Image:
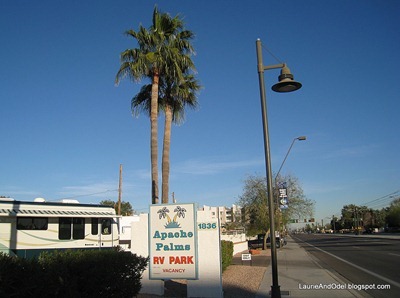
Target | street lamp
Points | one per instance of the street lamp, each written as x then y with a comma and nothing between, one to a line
302,138
286,84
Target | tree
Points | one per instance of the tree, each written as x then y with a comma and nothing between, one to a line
353,216
255,203
163,49
174,97
299,205
255,207
393,214
126,207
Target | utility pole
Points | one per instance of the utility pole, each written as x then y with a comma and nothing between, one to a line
173,198
120,189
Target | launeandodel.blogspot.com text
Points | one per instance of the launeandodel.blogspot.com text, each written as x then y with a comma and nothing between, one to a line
344,286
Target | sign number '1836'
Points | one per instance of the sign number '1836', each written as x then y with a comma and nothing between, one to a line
207,226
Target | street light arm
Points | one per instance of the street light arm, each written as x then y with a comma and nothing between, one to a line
284,160
276,66
302,138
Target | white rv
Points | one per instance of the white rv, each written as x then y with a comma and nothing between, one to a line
28,228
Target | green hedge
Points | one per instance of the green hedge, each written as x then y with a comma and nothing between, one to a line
227,253
72,273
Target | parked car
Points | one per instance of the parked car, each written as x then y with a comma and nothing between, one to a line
256,243
279,241
259,241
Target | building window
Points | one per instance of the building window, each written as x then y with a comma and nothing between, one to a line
68,227
95,226
78,231
64,228
32,223
106,226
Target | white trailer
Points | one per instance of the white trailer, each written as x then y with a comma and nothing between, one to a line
28,228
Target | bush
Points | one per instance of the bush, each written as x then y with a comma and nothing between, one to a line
72,273
227,253
18,276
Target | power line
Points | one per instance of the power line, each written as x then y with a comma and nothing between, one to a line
87,195
382,201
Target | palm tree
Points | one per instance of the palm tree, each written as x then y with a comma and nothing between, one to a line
162,49
176,98
173,99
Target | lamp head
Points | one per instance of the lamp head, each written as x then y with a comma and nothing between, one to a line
286,82
302,138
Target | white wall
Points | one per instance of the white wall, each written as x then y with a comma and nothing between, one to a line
209,283
140,246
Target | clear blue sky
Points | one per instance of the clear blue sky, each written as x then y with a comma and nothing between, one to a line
66,128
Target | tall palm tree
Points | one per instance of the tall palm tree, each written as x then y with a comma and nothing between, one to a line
173,99
176,98
162,49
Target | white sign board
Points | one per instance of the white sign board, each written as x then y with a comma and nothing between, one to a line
173,241
246,257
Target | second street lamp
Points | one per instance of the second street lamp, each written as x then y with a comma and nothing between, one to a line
302,138
286,84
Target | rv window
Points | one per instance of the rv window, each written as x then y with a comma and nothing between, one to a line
78,228
106,226
64,228
32,223
95,226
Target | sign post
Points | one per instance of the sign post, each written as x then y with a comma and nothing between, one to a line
247,257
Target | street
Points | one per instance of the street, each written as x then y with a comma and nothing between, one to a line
364,261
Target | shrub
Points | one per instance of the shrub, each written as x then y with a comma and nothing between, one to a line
227,253
72,273
18,276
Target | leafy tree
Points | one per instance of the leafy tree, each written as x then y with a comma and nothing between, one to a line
393,215
353,216
374,218
163,49
255,203
299,205
126,207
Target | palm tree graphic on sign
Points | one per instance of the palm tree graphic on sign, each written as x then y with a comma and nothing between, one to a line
171,224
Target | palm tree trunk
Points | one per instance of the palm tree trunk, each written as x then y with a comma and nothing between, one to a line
165,157
153,142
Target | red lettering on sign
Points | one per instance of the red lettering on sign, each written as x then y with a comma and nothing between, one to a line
158,260
181,260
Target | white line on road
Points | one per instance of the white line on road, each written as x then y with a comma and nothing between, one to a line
394,254
388,280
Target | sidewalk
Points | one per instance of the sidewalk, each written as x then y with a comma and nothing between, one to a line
299,275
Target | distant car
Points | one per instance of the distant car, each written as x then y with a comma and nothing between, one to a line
256,243
279,241
259,241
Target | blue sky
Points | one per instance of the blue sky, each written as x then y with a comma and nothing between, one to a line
66,128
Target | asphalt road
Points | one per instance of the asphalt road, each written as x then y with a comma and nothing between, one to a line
361,261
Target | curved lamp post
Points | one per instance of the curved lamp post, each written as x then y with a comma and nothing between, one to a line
302,138
285,84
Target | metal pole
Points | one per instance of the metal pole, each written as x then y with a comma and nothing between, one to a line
120,189
290,148
275,288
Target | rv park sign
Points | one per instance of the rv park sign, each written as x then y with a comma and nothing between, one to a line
173,242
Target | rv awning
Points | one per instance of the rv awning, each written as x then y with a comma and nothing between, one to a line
55,213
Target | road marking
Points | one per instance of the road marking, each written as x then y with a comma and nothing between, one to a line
388,280
394,254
